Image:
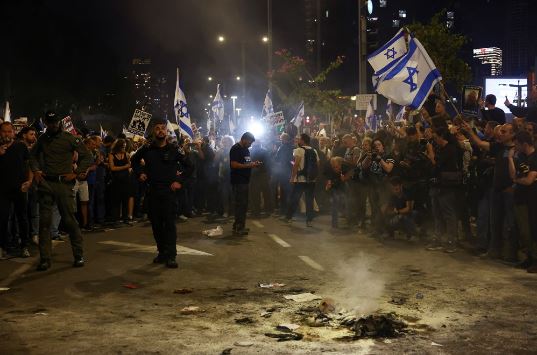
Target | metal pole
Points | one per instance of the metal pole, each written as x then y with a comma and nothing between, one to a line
243,64
362,44
269,44
318,61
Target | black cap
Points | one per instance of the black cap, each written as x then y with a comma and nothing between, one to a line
50,116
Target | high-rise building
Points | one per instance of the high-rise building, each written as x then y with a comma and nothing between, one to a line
150,90
490,56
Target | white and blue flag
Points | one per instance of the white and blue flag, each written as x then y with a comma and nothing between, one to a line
182,116
218,106
370,118
299,117
268,109
411,79
387,55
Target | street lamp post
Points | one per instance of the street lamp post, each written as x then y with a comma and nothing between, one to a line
233,98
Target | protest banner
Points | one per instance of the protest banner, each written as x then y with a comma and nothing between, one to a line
470,99
276,120
362,100
139,122
68,126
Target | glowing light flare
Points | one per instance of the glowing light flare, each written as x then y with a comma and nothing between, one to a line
256,127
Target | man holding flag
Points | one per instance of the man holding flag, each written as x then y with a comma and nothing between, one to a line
182,116
217,108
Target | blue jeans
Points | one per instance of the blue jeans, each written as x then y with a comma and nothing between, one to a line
299,188
56,218
443,204
338,200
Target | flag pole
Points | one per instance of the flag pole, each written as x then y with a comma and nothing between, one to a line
447,96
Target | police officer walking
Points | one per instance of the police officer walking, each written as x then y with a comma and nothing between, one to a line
51,161
160,170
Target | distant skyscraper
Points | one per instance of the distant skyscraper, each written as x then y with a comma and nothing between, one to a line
150,90
491,56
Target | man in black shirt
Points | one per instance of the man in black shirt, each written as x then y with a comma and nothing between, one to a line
503,223
530,112
241,168
492,113
15,181
161,172
523,171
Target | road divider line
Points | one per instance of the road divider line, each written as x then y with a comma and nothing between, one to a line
280,241
258,224
310,262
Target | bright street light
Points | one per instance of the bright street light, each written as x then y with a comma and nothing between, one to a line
233,97
210,78
211,96
238,78
265,39
221,38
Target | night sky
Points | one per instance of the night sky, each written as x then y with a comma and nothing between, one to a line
81,50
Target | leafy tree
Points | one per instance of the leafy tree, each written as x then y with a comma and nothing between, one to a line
444,48
293,83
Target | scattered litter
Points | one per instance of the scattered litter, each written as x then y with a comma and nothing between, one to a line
303,297
4,289
131,286
190,310
215,232
285,336
327,305
375,326
271,285
289,327
243,343
244,320
436,344
41,314
226,351
398,301
419,295
183,291
387,341
266,314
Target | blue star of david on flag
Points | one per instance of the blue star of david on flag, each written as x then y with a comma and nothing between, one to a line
182,109
410,79
390,53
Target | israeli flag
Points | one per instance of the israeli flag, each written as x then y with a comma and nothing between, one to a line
370,118
218,106
299,117
268,109
387,55
400,115
389,109
411,79
182,116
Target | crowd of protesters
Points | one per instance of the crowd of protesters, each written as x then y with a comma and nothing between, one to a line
449,182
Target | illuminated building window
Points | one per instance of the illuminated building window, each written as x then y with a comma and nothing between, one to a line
383,3
326,13
402,13
395,23
450,15
449,24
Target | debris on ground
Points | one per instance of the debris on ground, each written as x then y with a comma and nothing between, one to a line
244,343
41,314
190,310
285,336
436,344
131,286
303,297
215,232
327,305
4,289
419,295
266,314
183,291
398,301
378,325
226,351
244,320
288,327
271,285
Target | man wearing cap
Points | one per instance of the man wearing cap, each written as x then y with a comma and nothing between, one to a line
241,168
51,162
161,171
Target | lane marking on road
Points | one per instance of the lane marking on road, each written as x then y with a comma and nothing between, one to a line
15,274
280,241
310,262
258,224
133,247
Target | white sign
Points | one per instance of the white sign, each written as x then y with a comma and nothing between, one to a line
501,87
139,123
68,126
276,119
363,100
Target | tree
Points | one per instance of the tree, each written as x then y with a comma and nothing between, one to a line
293,83
444,48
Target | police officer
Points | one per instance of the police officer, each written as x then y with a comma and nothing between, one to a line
51,161
160,170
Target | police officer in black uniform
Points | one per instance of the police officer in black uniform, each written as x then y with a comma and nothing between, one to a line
162,164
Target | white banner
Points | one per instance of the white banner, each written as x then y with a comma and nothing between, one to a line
139,123
363,100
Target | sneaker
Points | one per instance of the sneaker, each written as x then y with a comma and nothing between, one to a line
434,247
35,239
309,224
86,228
172,264
25,253
159,259
225,215
450,250
44,265
183,218
240,232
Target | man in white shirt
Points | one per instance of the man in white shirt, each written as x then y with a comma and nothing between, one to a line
303,177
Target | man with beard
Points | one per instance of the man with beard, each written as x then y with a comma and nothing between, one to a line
161,169
51,160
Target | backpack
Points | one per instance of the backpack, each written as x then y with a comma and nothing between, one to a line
311,168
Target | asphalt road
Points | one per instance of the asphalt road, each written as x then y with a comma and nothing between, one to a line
122,303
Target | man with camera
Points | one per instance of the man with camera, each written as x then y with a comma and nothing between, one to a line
51,160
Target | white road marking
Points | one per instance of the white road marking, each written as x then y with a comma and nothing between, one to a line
309,261
13,276
128,247
280,241
258,224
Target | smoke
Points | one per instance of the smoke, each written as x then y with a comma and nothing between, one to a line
361,286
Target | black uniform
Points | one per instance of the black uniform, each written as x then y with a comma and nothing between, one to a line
162,165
